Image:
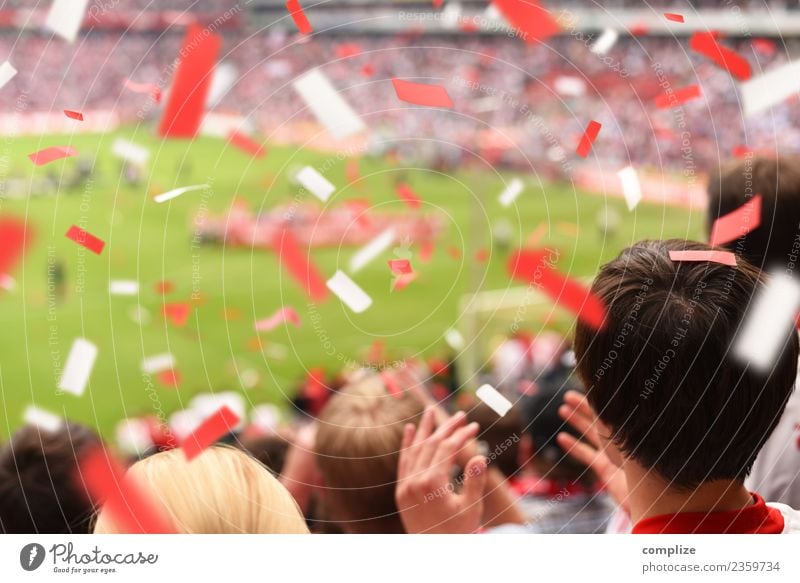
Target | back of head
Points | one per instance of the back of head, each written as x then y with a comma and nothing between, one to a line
357,446
222,491
501,435
270,450
661,375
38,493
777,240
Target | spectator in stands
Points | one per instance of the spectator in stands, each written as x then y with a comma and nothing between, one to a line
38,494
270,450
499,435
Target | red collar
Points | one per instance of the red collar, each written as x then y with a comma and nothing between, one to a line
758,518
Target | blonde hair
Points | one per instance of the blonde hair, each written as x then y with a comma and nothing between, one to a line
222,491
357,448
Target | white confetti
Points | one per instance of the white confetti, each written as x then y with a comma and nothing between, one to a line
630,186
492,397
371,250
605,41
158,363
130,152
454,339
348,291
315,183
512,191
164,197
65,18
44,420
79,366
330,108
7,73
762,92
123,287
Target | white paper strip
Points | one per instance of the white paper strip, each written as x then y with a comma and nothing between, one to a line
315,183
158,363
7,73
768,321
371,250
330,108
605,41
169,195
489,395
123,287
225,75
133,437
78,367
131,152
65,18
776,86
630,186
512,191
44,420
454,339
348,291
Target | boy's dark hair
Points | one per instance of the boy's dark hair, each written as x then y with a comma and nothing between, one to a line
39,492
777,180
501,435
270,450
660,373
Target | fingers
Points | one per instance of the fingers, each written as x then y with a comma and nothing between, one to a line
582,452
577,411
474,480
449,448
429,447
405,450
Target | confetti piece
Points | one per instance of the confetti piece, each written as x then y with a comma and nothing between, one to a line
422,94
454,252
78,367
177,313
723,257
282,315
218,425
128,505
678,97
133,437
530,18
426,251
631,188
407,195
588,139
496,401
454,339
349,292
352,172
130,152
65,18
674,17
400,266
371,250
771,88
605,41
737,223
158,363
769,320
85,239
7,73
147,88
402,281
482,255
246,144
327,105
741,151
163,287
534,268
537,234
73,114
511,192
188,94
706,44
367,70
315,183
391,384
177,192
299,17
123,287
297,264
346,50
44,420
764,46
48,155
14,237
169,378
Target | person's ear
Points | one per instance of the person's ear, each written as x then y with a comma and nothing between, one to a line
525,451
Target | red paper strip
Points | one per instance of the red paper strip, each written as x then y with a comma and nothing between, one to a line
530,18
737,223
287,314
247,144
533,267
153,90
401,281
163,287
400,266
48,155
14,237
678,97
299,17
588,139
296,263
128,505
407,195
73,114
86,239
741,151
639,29
351,171
391,384
707,45
426,251
169,378
422,94
210,431
673,17
189,92
723,257
177,313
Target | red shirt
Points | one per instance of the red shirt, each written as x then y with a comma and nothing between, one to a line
758,518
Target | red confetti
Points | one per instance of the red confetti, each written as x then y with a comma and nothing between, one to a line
426,251
177,313
738,223
128,506
482,255
14,237
246,144
706,44
73,114
401,281
391,384
741,151
286,314
422,94
673,17
764,46
400,266
639,30
588,139
367,70
299,17
351,170
407,195
532,267
210,431
530,18
454,252
678,97
169,378
723,257
297,264
48,155
153,90
86,239
346,50
186,106
164,287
